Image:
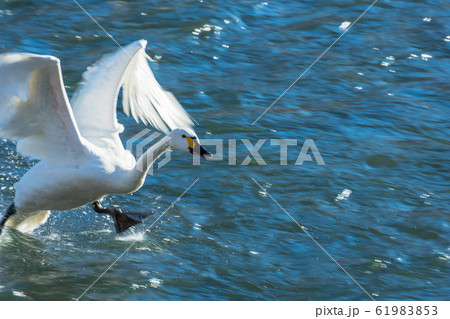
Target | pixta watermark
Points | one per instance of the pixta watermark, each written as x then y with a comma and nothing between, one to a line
241,152
305,151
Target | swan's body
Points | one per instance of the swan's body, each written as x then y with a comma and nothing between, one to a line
82,158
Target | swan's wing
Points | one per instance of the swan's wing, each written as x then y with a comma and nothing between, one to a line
95,101
34,108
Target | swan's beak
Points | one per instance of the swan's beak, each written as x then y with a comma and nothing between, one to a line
204,153
200,151
197,149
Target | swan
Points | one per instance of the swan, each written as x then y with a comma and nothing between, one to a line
81,157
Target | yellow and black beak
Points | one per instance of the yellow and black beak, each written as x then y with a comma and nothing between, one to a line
197,149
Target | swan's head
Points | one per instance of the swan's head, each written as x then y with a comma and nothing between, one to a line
187,141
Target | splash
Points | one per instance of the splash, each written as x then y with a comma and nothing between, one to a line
343,195
132,237
19,293
206,30
344,26
155,282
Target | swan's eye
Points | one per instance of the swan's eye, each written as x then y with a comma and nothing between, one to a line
183,136
194,137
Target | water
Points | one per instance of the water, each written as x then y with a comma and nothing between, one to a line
376,106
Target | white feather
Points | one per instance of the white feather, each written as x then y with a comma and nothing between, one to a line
143,97
34,108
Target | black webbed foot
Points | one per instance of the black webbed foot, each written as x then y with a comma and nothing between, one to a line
122,220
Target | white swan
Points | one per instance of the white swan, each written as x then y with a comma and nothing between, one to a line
82,158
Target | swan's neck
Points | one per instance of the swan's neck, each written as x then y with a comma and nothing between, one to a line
148,159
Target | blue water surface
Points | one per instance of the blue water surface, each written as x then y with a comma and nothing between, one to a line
376,106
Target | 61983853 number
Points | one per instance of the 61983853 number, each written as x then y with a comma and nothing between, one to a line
407,310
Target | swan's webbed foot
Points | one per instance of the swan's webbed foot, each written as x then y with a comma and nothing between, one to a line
11,211
122,220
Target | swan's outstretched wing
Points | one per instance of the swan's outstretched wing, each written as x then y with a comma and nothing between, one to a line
34,107
94,102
